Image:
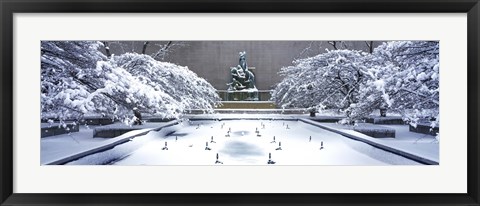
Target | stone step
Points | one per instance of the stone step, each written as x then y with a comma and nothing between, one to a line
247,105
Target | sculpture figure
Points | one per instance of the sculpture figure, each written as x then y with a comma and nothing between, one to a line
242,85
242,78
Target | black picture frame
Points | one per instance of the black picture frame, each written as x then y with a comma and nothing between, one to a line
10,7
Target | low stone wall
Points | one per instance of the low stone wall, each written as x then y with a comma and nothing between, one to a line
375,131
157,119
89,120
111,132
385,120
263,95
48,130
424,128
326,119
247,105
250,111
97,121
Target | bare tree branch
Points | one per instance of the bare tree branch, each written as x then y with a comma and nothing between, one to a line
334,44
369,46
163,50
145,44
107,48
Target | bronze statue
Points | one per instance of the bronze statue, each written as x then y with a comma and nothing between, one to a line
242,78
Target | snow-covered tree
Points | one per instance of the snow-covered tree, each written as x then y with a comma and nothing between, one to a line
402,76
183,85
328,80
77,79
64,79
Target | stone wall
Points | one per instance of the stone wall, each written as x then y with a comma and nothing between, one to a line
212,59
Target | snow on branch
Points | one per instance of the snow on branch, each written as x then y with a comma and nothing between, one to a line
77,79
402,76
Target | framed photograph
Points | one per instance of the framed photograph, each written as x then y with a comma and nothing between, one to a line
255,103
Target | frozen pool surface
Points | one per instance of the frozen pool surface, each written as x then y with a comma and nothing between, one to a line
190,143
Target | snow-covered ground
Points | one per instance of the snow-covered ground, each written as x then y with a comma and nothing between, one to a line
187,144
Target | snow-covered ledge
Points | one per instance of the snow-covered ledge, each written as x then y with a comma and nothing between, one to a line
372,141
107,144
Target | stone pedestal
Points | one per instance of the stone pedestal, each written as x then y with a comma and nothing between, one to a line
242,95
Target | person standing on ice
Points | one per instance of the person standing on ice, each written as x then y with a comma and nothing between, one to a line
138,116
